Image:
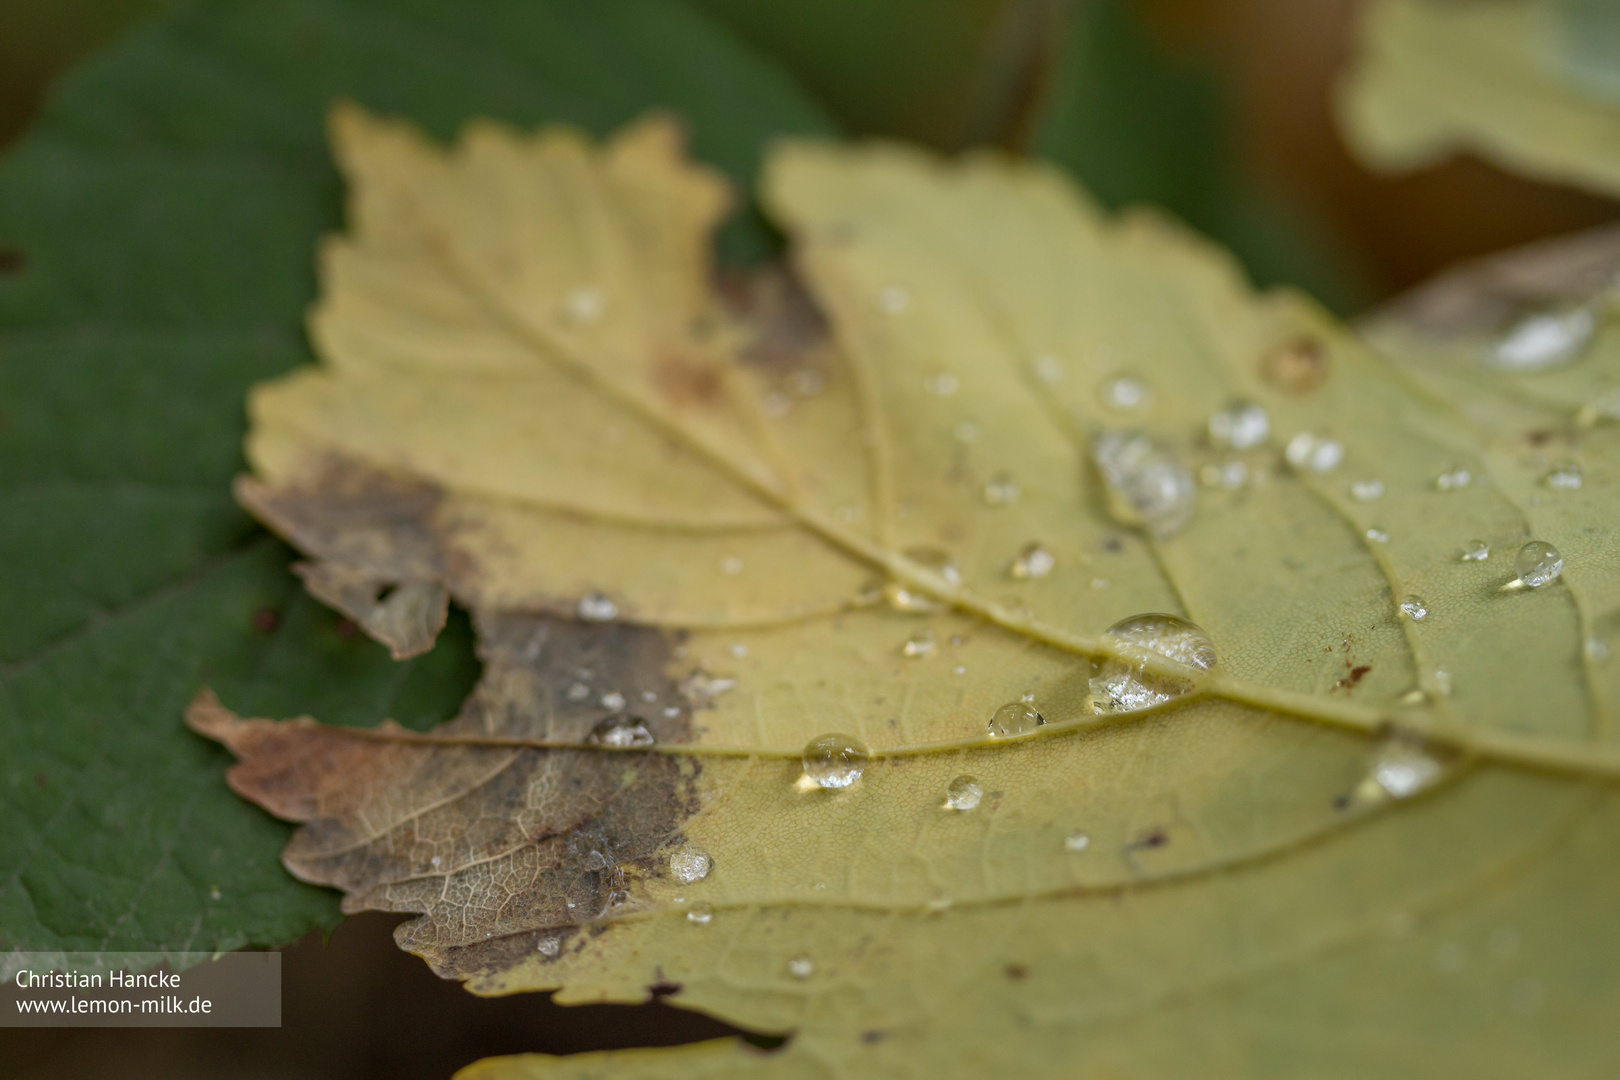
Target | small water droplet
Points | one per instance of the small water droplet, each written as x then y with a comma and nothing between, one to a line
1000,490
1414,608
702,914
1312,453
942,384
935,561
1476,551
801,967
1565,476
1298,366
672,711
894,299
1367,490
1015,718
701,688
1099,583
621,732
1597,650
1047,369
900,598
1606,406
835,761
578,692
1119,686
584,305
689,865
1034,561
1543,340
434,862
966,432
919,644
548,946
1377,535
1076,841
1146,485
595,607
1230,475
1125,394
807,382
1239,426
739,650
214,893
1538,563
1402,766
1453,479
1440,679
612,700
731,565
963,793
959,670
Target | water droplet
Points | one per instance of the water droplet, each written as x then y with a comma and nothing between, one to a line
1047,369
595,607
1015,718
1119,686
739,650
1377,535
1597,650
966,432
1440,679
690,865
1298,366
835,761
1543,340
578,692
702,914
801,967
1125,394
731,566
621,732
959,670
1367,490
1538,563
1230,475
1414,608
1146,485
701,688
1476,551
1402,766
214,893
1034,561
1314,453
1099,583
919,644
584,305
1453,479
672,711
1076,841
1239,426
1606,406
935,561
548,946
943,384
612,700
901,598
649,696
1000,490
963,793
893,299
1565,476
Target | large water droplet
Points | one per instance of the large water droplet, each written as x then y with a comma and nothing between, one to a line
1414,608
1000,490
1146,485
963,793
1034,561
1476,551
1538,563
1312,453
1015,718
689,865
1565,476
595,607
835,761
1402,766
1543,340
1239,426
1125,394
621,732
918,645
1119,686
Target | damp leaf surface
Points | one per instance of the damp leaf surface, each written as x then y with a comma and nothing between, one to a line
700,528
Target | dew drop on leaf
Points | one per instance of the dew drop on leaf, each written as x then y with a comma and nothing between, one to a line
942,384
1453,479
1414,608
963,793
1034,561
1047,369
1000,490
689,865
936,561
596,607
1230,475
1565,476
548,946
1125,394
835,761
918,645
1543,340
1015,718
1377,535
1312,453
578,692
801,967
1239,426
1146,485
1476,551
1076,841
702,914
621,732
1538,563
1367,490
1597,650
1119,686
613,701
1402,766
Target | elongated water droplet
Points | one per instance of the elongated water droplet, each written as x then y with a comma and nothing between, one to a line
1034,561
1000,490
1367,490
1453,479
1538,563
1125,394
1146,485
1239,426
1015,718
1076,841
689,865
801,967
1119,686
1565,476
621,732
1543,340
1476,551
1414,608
702,914
595,607
1312,453
919,644
835,761
701,688
963,793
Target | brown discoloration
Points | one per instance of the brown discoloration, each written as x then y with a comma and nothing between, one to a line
494,847
11,261
689,383
1297,366
406,617
1352,677
780,320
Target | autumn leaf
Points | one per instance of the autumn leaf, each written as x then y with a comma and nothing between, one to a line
1528,84
1365,821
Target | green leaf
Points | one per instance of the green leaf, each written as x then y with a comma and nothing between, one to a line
162,218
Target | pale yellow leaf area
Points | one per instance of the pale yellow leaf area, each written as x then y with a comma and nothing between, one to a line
1434,77
525,325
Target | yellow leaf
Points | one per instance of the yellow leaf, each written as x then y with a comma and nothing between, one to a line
693,542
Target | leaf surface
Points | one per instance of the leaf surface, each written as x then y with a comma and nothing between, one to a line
1171,892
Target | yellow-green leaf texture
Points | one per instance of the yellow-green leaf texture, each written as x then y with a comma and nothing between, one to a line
525,326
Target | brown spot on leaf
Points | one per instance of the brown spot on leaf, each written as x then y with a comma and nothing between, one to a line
495,845
688,383
1017,972
1352,677
265,620
1297,366
11,261
780,321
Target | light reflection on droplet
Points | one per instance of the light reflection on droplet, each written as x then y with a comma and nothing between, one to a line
1239,427
1120,686
1146,485
834,761
1313,453
1015,718
1034,561
1367,490
963,793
